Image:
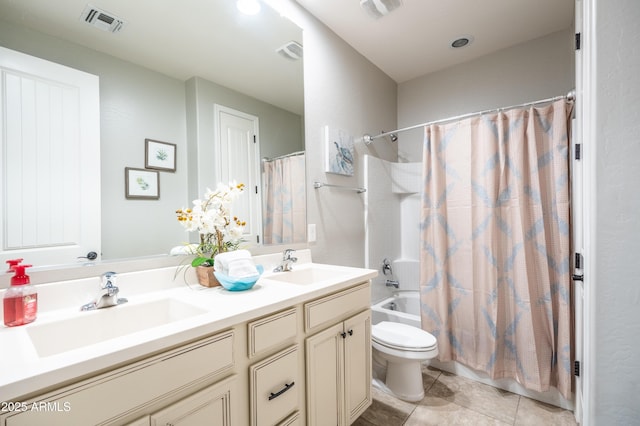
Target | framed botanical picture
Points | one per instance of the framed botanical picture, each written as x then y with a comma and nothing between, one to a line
159,155
141,184
338,152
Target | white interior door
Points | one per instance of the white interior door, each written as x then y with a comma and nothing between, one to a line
50,158
238,159
577,203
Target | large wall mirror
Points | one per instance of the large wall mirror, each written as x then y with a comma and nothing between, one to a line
162,74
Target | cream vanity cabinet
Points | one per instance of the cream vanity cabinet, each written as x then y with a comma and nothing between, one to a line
338,358
308,364
152,385
331,361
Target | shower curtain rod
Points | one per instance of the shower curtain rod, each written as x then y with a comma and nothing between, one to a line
293,154
368,139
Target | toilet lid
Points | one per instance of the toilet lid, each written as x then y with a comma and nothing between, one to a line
399,336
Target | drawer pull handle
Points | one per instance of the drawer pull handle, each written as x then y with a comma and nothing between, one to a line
281,391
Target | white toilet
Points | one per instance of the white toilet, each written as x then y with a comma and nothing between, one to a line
400,349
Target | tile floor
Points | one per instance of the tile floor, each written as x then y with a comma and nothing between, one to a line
455,400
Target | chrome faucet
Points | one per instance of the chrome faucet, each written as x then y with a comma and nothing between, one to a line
108,295
287,261
392,283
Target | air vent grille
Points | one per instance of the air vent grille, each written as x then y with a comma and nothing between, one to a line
102,20
291,50
379,8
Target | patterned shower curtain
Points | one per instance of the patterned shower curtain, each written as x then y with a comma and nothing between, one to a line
285,201
495,244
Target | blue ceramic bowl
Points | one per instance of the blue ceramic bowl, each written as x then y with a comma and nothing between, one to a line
238,284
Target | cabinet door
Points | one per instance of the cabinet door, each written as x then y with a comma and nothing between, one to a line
143,421
293,420
357,365
211,406
325,377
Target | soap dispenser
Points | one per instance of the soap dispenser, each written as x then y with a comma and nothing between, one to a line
20,301
13,263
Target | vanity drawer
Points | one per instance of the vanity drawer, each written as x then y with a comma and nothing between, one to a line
272,331
274,387
109,396
335,307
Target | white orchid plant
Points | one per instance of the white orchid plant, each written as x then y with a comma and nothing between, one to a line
211,218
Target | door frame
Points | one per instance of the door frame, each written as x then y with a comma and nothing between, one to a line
586,91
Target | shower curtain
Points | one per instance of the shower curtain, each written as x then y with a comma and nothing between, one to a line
495,244
285,200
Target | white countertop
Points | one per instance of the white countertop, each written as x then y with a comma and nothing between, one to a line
23,371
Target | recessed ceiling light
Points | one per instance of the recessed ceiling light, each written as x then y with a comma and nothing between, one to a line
248,7
461,42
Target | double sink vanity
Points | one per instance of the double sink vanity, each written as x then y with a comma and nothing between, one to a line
293,350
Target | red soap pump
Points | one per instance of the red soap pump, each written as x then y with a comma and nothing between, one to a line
13,263
20,302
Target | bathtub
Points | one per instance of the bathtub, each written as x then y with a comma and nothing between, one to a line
403,307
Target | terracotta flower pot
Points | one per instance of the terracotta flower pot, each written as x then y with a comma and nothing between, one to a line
206,277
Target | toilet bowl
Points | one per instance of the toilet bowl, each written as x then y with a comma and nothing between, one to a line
398,352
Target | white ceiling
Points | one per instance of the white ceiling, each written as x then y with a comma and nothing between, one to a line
414,40
182,39
208,38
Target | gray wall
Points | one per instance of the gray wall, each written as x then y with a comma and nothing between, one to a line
615,225
345,91
530,71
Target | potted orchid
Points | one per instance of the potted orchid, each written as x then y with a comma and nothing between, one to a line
218,231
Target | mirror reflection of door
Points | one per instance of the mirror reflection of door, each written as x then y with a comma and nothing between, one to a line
238,159
50,161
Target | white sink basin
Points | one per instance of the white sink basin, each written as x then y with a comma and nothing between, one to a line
307,275
88,328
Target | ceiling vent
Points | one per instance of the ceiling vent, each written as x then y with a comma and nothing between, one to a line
292,50
380,8
102,20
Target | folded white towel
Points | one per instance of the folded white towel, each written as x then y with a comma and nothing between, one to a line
235,264
240,268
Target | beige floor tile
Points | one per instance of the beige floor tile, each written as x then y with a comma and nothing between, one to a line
429,376
454,400
534,413
381,414
395,403
361,421
476,396
449,413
